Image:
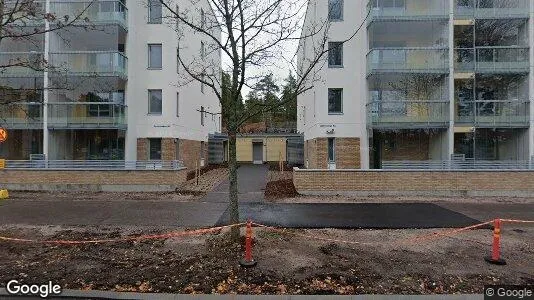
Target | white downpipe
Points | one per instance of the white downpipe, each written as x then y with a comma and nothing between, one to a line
45,84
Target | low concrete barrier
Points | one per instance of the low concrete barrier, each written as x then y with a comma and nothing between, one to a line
89,180
517,183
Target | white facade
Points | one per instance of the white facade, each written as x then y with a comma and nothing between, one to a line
386,48
183,122
94,101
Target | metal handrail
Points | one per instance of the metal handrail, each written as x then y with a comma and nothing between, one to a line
104,165
467,164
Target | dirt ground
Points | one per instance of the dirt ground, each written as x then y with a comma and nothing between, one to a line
289,263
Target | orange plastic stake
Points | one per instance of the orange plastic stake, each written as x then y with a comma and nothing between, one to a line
495,257
248,261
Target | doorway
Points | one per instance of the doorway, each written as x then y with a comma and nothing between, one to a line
257,153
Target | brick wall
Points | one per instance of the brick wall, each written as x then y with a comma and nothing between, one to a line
68,177
422,182
403,146
347,153
189,150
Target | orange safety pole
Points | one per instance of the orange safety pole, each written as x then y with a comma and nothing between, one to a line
248,261
495,257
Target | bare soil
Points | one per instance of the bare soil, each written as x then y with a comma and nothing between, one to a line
207,181
286,263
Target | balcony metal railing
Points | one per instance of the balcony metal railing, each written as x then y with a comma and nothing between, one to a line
21,64
491,9
408,60
408,114
105,165
466,164
492,59
92,12
407,9
88,115
493,113
21,115
87,63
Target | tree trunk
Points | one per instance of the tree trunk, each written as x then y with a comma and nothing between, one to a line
233,196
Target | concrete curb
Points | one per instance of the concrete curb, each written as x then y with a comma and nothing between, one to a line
78,294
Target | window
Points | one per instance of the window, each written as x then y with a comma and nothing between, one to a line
331,150
335,10
202,115
202,83
335,54
177,104
154,11
178,60
335,101
154,102
154,147
202,145
202,50
154,56
202,19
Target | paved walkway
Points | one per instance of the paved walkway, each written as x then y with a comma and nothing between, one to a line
251,182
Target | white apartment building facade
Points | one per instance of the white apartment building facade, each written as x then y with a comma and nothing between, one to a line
112,87
422,82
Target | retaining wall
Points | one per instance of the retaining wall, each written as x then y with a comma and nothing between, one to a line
92,180
414,182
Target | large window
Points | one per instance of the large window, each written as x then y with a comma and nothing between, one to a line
331,150
154,56
335,10
154,11
335,101
335,54
154,146
154,102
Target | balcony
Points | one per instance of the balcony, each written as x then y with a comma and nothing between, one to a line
26,115
492,59
89,63
86,115
92,12
25,13
21,64
493,113
407,10
408,114
408,60
497,9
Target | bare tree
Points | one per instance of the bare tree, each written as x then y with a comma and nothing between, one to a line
255,34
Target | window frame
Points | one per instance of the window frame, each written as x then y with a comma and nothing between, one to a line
150,67
342,4
331,141
331,50
150,141
150,99
150,6
341,100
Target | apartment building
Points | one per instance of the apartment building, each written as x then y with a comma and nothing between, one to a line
110,87
421,81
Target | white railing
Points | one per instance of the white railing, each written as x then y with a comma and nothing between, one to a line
104,165
467,164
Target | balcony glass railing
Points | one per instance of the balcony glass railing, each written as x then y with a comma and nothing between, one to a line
491,9
408,114
25,13
400,9
25,115
89,115
92,12
493,113
492,59
25,64
408,60
99,63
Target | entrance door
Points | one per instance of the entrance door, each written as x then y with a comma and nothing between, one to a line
257,153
